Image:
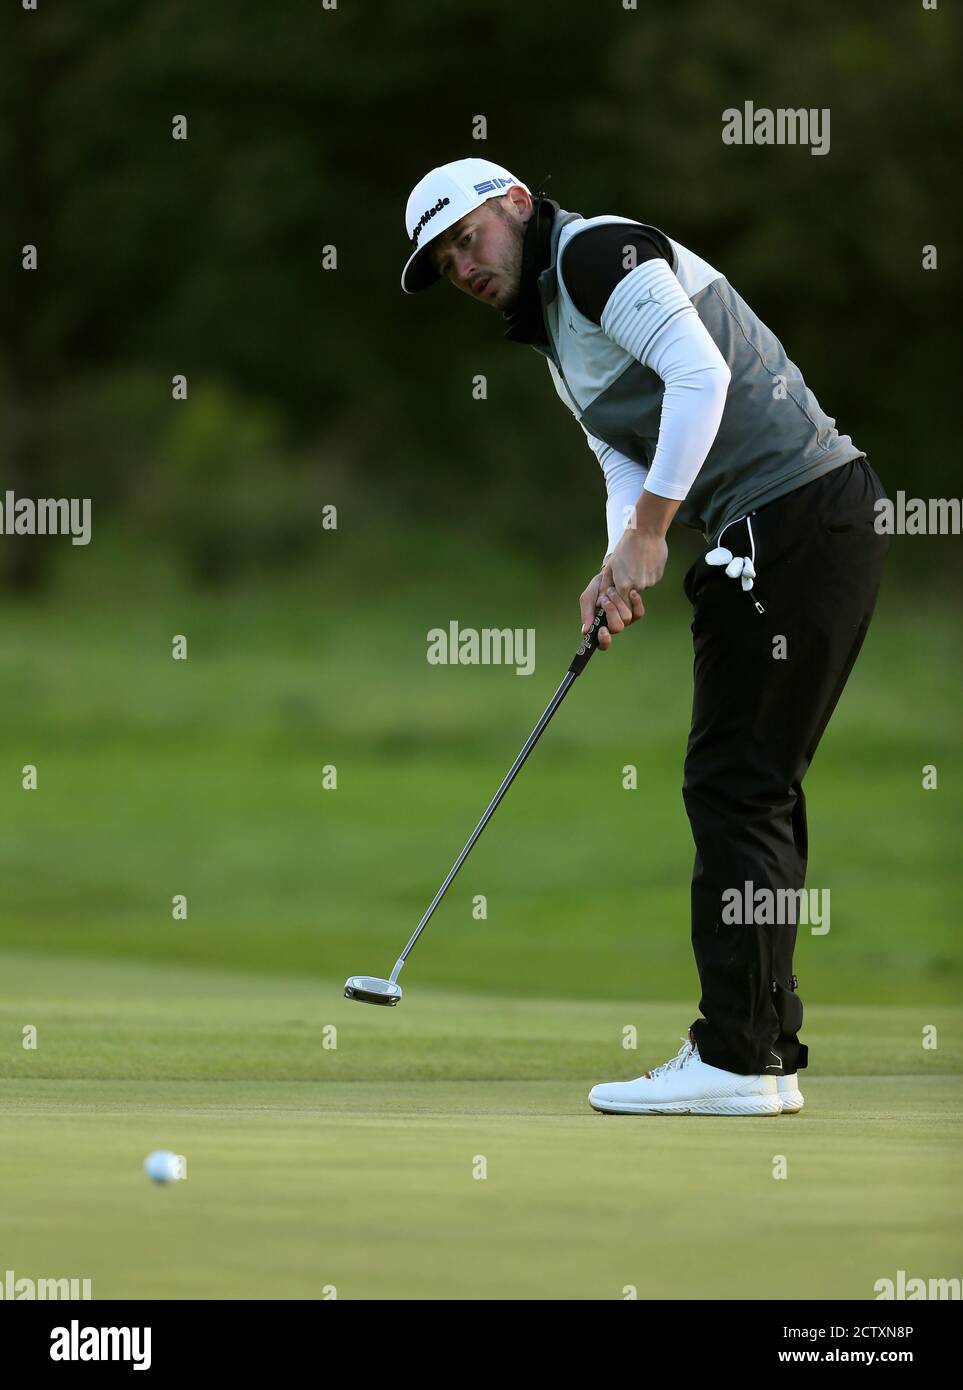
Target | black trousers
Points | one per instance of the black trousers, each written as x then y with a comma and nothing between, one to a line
760,706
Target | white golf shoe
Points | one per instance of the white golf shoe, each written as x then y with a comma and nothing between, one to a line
685,1085
790,1094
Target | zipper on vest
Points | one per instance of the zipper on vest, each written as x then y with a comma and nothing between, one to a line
568,393
553,348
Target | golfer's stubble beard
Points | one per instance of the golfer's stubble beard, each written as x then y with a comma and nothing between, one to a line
513,267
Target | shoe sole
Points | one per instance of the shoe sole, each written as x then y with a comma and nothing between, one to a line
792,1102
722,1105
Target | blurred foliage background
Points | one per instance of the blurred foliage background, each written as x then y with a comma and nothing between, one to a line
307,128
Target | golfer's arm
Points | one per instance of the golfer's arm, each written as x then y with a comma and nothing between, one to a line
650,316
653,514
623,483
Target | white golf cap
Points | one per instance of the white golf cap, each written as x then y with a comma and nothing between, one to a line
440,200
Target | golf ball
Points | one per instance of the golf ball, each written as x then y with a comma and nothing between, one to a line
163,1166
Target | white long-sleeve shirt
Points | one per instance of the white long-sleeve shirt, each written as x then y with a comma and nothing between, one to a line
667,336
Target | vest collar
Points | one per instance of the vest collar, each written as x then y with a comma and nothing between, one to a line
539,280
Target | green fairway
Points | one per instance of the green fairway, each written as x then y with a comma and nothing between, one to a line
352,1167
312,1165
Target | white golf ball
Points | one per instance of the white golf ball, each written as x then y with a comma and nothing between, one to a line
162,1166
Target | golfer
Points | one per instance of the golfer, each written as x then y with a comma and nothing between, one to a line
695,415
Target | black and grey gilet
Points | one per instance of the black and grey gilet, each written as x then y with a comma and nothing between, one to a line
773,436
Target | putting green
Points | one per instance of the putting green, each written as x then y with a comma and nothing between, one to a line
356,1167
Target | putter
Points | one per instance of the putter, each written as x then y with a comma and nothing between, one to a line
368,989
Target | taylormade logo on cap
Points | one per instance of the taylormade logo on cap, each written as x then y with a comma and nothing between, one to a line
426,217
443,198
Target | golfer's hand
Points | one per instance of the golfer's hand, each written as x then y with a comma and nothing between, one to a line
619,614
636,564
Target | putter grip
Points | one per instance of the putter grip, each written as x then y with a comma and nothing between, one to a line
590,642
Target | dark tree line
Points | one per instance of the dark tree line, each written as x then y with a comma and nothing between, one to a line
306,128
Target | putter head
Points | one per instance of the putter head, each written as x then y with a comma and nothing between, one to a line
367,989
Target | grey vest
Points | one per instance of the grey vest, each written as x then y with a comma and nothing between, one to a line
773,437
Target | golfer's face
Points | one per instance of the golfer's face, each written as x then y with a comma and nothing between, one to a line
482,256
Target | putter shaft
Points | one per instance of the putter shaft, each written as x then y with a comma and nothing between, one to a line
579,661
